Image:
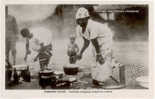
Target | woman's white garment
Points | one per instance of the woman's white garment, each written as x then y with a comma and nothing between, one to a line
104,36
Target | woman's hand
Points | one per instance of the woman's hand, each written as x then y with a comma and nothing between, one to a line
100,59
26,55
28,52
85,46
25,58
79,56
35,59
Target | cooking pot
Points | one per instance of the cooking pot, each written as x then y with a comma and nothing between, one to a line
46,78
71,69
20,67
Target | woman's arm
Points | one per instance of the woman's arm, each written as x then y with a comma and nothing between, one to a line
27,49
27,44
96,45
85,45
68,50
99,57
35,59
77,48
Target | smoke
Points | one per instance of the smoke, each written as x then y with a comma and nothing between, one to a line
42,34
30,12
63,24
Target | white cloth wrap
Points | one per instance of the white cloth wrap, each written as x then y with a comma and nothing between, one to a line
104,36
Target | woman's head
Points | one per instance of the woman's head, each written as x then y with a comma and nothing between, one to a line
26,33
72,38
82,16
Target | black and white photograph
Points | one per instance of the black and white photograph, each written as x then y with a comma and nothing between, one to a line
76,46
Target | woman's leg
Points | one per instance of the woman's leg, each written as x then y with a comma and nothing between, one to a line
7,50
102,72
14,55
41,66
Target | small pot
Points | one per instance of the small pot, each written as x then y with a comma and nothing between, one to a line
71,70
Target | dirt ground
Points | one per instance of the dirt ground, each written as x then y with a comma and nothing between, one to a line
85,83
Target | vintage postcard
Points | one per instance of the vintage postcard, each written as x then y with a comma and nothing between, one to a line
77,49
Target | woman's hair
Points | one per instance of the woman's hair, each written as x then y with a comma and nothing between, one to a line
25,32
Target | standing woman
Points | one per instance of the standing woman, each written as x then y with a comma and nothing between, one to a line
11,36
101,38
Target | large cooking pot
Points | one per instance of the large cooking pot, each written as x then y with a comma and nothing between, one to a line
71,69
46,78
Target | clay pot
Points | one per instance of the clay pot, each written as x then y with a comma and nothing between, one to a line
71,69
